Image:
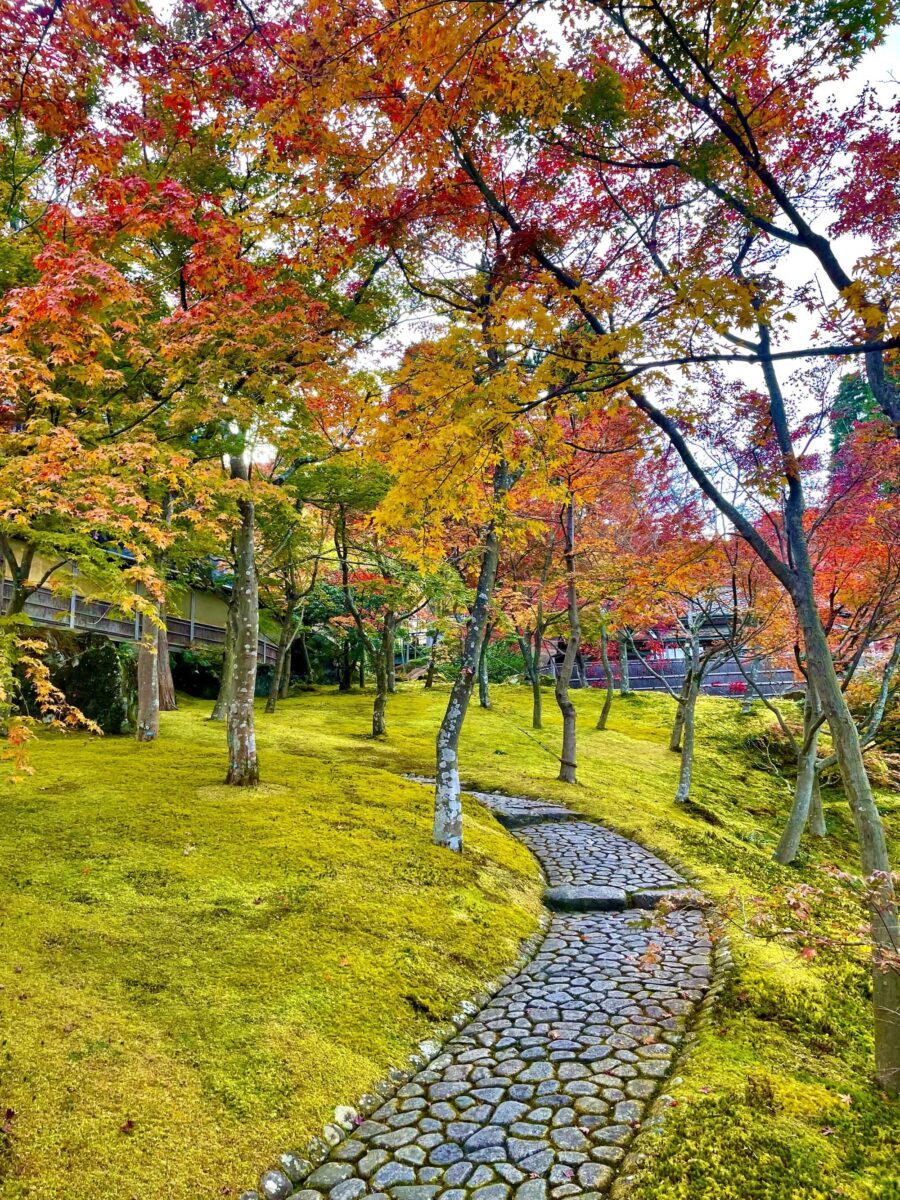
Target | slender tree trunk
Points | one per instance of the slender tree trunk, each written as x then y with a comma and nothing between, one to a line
817,825
525,651
682,795
432,661
148,683
608,675
448,831
678,723
167,700
344,682
624,672
361,667
382,682
789,844
752,672
379,663
390,664
226,681
281,655
484,691
306,673
19,573
873,849
243,765
567,762
537,694
805,786
284,682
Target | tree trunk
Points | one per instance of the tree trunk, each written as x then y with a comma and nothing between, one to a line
167,700
432,660
382,681
379,725
624,673
789,845
567,764
537,695
19,573
344,682
447,831
148,683
226,682
306,673
867,819
525,651
817,826
484,692
752,672
243,765
389,661
281,655
608,675
678,723
683,792
284,683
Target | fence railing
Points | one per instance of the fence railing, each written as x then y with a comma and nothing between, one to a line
97,616
726,680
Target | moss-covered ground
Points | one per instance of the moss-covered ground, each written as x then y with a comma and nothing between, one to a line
193,976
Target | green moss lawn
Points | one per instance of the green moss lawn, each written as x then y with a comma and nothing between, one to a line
192,976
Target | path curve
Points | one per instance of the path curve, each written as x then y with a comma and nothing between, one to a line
540,1094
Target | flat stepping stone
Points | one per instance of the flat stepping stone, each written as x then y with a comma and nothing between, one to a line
540,1094
679,897
588,898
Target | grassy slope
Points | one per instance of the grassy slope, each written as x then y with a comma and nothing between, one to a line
223,967
224,1023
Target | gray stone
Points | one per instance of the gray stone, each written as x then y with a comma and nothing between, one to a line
458,1173
349,1151
480,1176
493,1191
569,1138
584,898
275,1185
537,1164
350,1189
393,1173
294,1166
414,1155
491,1136
329,1175
371,1162
508,1112
532,1189
445,1155
595,1176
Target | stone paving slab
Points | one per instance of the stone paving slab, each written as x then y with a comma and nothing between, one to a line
540,1094
582,853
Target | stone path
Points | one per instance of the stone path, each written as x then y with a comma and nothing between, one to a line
539,1095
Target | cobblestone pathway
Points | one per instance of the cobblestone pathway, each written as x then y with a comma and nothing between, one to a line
539,1095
